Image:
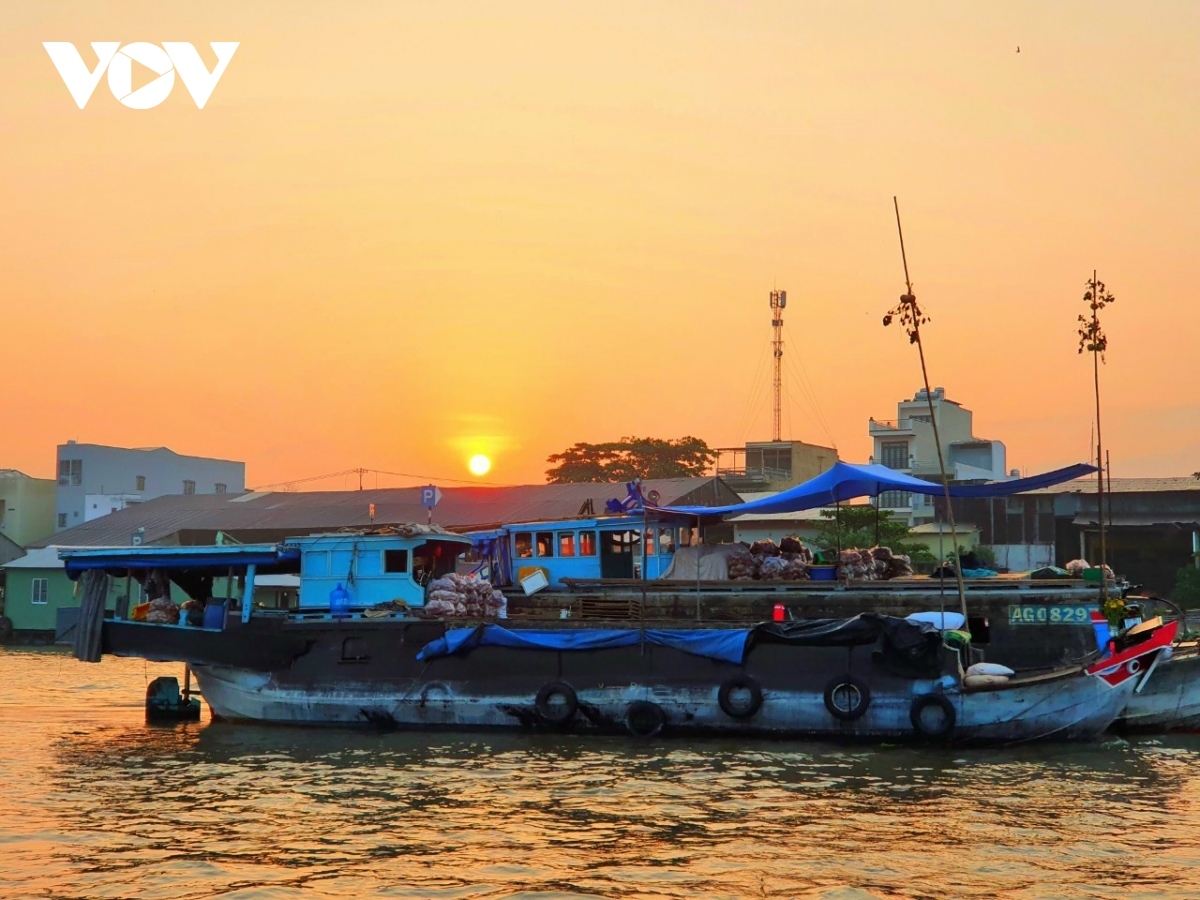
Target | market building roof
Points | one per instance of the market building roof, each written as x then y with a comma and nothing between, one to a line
272,516
1087,485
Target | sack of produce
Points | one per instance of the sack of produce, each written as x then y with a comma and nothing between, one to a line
978,681
987,668
1076,566
764,548
742,565
796,569
790,545
900,566
772,568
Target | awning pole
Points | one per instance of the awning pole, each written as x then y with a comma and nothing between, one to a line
248,592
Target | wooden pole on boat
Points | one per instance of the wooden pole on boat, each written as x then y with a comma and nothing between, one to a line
911,317
1108,486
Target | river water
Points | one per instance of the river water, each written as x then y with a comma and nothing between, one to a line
96,804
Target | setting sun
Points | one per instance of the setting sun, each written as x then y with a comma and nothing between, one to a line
479,464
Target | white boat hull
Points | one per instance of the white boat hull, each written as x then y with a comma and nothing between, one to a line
1070,707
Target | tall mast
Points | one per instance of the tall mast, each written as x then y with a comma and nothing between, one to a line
778,302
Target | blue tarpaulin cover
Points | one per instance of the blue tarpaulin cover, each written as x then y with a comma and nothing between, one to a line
724,644
846,482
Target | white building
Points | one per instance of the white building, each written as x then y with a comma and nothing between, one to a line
906,444
94,480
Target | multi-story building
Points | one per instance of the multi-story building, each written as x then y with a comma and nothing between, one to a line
94,480
907,444
26,511
772,465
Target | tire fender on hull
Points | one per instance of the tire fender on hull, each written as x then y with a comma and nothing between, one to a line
644,719
556,713
938,728
740,708
847,697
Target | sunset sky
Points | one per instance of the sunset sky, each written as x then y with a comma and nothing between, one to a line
400,234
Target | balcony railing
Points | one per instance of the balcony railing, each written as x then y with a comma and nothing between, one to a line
889,426
754,473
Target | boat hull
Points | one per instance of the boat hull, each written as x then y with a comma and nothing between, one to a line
1170,701
1074,707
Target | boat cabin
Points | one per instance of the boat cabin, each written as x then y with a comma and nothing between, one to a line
374,569
600,547
357,570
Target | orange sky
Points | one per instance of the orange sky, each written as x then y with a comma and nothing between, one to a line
399,234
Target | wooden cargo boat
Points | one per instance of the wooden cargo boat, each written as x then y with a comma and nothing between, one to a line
379,660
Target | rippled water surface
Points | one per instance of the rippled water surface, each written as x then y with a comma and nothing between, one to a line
96,804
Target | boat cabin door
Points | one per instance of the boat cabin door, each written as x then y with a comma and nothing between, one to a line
618,552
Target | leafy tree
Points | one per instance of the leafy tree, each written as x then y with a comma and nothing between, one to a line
630,458
1187,587
858,530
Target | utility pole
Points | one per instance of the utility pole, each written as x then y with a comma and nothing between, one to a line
778,302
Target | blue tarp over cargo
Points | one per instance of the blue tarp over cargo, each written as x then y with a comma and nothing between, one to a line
722,644
847,482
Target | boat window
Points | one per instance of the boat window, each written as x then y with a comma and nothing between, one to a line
354,650
587,543
341,562
315,562
666,541
367,562
545,543
566,543
395,560
523,544
626,541
650,548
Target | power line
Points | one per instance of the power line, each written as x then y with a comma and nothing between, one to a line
428,479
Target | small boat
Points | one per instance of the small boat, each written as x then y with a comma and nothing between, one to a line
1171,700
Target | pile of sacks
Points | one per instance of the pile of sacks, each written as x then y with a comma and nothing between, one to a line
987,675
163,611
767,561
465,595
876,564
1076,567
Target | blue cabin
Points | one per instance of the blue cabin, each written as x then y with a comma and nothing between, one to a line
621,546
373,568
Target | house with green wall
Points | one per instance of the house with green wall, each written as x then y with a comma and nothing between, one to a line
36,587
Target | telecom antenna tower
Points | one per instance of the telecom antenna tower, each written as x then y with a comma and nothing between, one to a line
778,302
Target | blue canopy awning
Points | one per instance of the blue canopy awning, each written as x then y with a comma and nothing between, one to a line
846,482
156,557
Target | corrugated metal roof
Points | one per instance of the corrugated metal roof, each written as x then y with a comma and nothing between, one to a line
1125,485
42,558
1140,520
274,515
